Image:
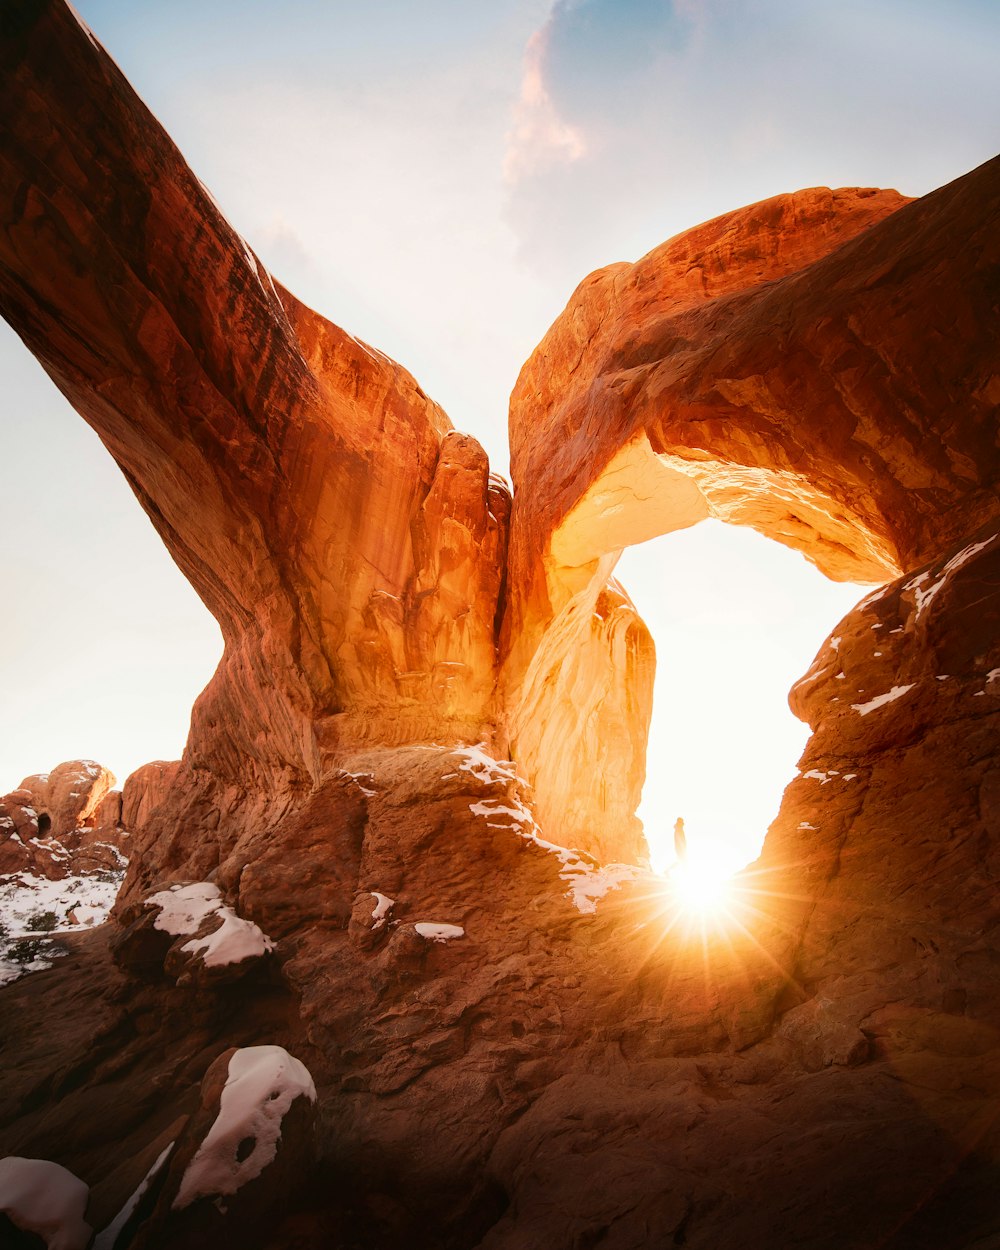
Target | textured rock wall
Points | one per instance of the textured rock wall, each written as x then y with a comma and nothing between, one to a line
820,367
348,541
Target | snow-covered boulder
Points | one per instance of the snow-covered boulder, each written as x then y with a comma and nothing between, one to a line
41,1197
192,934
243,1154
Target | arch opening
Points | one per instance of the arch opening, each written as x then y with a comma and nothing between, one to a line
579,706
44,824
736,620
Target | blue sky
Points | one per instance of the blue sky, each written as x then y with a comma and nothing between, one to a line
437,178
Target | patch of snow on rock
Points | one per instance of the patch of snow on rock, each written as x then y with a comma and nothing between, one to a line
924,596
433,931
587,881
881,700
816,775
183,908
477,761
43,1198
106,1238
262,1084
233,941
380,912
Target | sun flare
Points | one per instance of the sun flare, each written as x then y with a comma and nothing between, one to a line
703,890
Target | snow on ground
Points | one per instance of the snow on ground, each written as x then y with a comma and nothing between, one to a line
33,910
44,1198
184,907
262,1084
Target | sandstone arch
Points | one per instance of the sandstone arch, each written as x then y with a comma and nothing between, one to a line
348,540
562,1074
779,367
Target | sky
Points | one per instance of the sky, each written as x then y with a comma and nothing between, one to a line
437,178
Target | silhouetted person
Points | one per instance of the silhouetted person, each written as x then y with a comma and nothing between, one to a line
680,840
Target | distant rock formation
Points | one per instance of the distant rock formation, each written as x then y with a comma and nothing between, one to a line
61,823
400,850
63,855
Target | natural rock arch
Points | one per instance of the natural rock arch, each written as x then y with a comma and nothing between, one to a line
831,1070
741,370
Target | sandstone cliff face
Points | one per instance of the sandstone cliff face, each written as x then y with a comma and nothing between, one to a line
514,1045
349,543
820,367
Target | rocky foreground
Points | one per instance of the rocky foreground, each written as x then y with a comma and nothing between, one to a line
387,966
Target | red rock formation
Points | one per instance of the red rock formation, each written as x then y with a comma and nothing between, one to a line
820,367
346,539
513,1046
62,822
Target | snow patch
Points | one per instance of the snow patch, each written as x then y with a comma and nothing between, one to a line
233,941
874,597
881,700
79,901
262,1084
359,777
923,596
432,931
380,912
183,908
587,881
42,1197
106,1238
477,761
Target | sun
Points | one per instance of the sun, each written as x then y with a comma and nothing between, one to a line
703,890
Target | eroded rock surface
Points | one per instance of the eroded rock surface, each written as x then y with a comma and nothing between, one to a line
515,1042
820,366
348,541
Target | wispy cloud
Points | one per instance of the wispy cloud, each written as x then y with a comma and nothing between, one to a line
539,137
640,118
